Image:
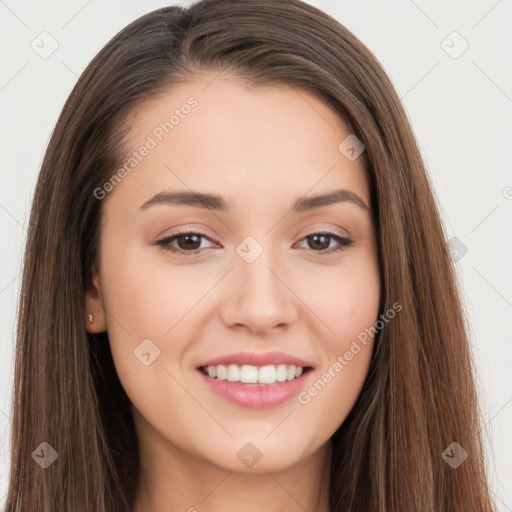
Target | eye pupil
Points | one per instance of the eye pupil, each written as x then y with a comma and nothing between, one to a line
187,237
322,245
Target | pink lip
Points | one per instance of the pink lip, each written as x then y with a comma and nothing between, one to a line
256,359
254,395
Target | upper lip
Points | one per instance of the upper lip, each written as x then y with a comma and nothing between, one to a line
257,359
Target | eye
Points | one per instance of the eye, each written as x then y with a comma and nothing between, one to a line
189,242
323,241
186,240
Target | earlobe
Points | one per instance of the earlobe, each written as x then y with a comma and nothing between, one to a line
95,318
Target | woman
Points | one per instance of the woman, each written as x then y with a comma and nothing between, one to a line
156,375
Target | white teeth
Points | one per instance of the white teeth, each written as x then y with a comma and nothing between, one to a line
281,373
221,372
267,375
249,374
233,373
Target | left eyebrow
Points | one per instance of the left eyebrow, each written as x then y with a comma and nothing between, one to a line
189,198
340,195
218,203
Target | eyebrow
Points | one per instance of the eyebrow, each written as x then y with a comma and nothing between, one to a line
218,203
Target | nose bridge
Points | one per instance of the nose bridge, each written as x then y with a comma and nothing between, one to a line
257,269
260,300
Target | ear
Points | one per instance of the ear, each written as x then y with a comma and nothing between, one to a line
95,307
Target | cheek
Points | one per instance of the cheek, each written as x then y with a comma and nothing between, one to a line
347,302
345,299
149,299
145,295
139,304
147,304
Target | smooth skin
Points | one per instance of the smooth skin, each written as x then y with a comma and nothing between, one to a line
261,149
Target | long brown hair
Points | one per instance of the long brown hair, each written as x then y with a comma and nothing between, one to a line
419,396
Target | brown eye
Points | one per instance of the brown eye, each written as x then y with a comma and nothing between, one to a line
320,242
188,242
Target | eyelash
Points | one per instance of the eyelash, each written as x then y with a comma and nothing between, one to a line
165,242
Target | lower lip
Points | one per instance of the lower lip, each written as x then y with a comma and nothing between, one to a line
255,395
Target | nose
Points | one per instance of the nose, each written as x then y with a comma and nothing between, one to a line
260,300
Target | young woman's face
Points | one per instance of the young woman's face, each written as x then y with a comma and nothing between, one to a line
257,277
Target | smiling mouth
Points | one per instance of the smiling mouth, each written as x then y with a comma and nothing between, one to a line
255,375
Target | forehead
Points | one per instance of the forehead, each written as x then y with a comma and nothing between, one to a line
220,135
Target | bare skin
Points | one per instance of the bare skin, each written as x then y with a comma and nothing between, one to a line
261,149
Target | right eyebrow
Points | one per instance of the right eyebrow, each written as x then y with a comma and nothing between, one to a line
188,198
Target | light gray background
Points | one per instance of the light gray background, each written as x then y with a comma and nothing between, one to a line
460,109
